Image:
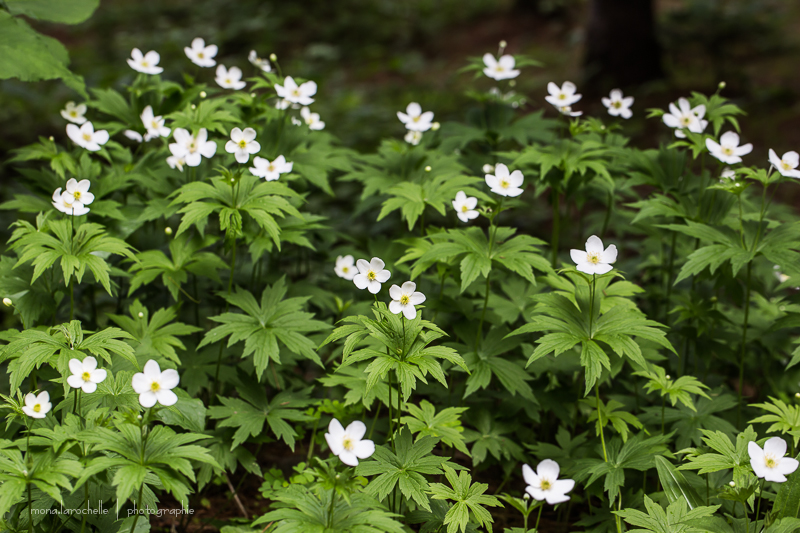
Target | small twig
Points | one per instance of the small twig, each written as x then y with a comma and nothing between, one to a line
236,497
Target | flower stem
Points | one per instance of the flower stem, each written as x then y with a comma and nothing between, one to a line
618,518
333,503
592,289
600,420
538,517
30,510
758,506
391,410
227,306
744,344
313,436
556,225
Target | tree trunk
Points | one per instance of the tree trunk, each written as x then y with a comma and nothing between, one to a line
621,45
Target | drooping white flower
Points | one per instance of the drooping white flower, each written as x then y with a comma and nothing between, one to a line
544,483
404,299
345,267
296,94
786,165
229,78
413,137
567,110
242,144
256,61
727,149
147,63
37,406
770,462
349,444
312,119
177,161
200,54
727,174
563,96
684,117
594,260
297,122
152,385
780,275
86,137
153,124
283,103
500,69
503,183
135,136
74,113
618,105
371,275
76,209
465,206
78,192
270,170
415,119
192,148
85,374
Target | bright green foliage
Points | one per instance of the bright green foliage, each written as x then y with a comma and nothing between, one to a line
784,418
444,425
263,324
469,498
677,518
730,455
680,389
156,335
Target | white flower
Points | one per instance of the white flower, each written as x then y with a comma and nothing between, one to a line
786,165
78,192
59,202
86,137
147,63
465,206
295,94
415,119
502,69
349,444
413,137
229,78
567,110
345,267
544,483
85,375
488,169
503,183
404,299
154,125
594,260
770,462
683,117
74,113
727,174
192,148
728,149
270,170
256,61
242,144
618,105
176,161
37,406
297,122
311,119
133,135
371,275
563,96
783,278
200,54
153,385
283,103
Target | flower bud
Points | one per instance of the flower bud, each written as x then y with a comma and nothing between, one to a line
435,126
526,496
797,394
7,302
338,476
52,138
488,169
273,57
138,417
141,314
512,83
503,43
252,95
194,106
24,472
428,168
168,230
203,94
722,85
732,483
667,376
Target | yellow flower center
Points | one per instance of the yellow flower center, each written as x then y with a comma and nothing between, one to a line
786,166
200,55
371,275
86,376
404,299
727,151
310,120
504,184
593,257
73,113
416,119
617,105
770,461
687,121
228,81
145,64
546,485
242,143
345,269
37,408
87,137
464,209
348,444
296,92
155,386
499,68
192,147
271,167
155,124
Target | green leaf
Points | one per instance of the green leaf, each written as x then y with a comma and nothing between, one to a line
64,11
675,484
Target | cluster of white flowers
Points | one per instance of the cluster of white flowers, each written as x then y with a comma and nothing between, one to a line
74,199
371,275
563,98
416,122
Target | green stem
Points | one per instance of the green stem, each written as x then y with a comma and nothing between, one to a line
492,235
619,519
391,410
375,419
663,406
556,225
30,510
670,272
744,344
313,437
227,305
758,506
71,298
600,420
592,288
138,509
539,517
607,218
333,503
86,498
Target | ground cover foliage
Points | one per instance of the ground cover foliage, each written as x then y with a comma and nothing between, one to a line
515,318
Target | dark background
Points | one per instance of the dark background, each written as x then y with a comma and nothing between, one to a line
371,57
